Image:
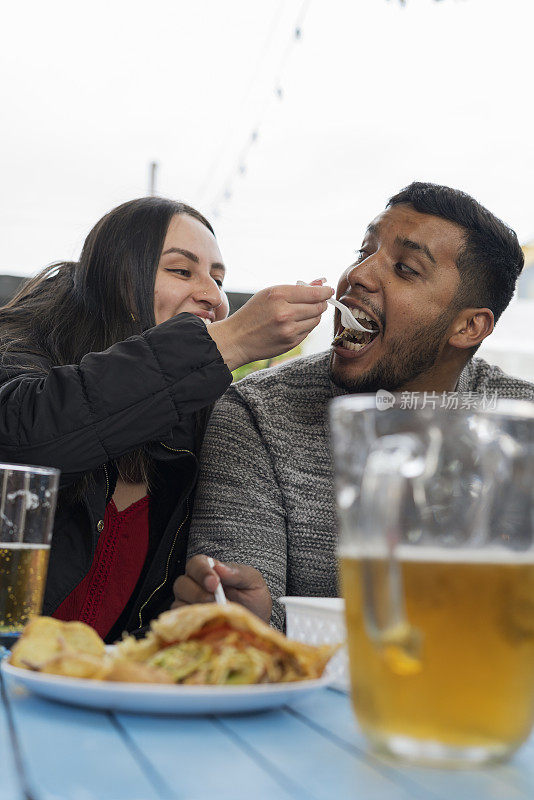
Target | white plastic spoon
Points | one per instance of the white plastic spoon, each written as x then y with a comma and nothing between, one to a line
348,320
220,596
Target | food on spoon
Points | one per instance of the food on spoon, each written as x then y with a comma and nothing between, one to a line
346,313
353,339
199,644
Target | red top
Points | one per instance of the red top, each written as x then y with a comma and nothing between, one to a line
120,554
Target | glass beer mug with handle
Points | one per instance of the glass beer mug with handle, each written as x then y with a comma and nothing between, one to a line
27,506
436,556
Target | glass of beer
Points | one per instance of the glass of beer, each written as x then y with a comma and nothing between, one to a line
27,506
436,513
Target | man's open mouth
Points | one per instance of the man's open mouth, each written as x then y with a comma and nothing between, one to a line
355,340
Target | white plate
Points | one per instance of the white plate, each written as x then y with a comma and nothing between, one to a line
142,698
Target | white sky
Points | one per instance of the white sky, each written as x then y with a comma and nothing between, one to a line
375,96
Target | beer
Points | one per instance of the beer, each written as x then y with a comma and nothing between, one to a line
464,674
23,569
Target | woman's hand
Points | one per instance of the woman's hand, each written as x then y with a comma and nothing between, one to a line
272,322
241,584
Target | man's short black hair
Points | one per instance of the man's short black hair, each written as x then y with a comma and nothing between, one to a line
491,259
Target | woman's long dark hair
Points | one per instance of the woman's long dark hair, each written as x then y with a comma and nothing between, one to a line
73,308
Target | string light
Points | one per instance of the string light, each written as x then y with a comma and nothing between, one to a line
239,168
255,73
240,165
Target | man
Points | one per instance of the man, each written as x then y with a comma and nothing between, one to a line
433,274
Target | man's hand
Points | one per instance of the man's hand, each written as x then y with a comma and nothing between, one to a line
241,584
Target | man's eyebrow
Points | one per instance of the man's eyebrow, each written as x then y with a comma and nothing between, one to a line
192,257
411,245
372,229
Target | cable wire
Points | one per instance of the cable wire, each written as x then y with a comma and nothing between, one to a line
239,167
211,171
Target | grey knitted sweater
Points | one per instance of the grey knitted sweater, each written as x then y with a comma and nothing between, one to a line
265,495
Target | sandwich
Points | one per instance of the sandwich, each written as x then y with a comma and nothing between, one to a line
224,645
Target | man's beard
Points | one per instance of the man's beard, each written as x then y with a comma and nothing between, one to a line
410,356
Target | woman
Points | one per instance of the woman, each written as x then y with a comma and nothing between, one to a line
108,369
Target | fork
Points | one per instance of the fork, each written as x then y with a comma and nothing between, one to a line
348,320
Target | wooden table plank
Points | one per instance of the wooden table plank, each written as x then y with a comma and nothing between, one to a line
513,780
519,771
313,750
10,784
321,769
200,759
74,753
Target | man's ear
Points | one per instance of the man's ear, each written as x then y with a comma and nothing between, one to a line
470,327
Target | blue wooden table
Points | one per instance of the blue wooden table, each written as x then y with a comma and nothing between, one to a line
312,749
